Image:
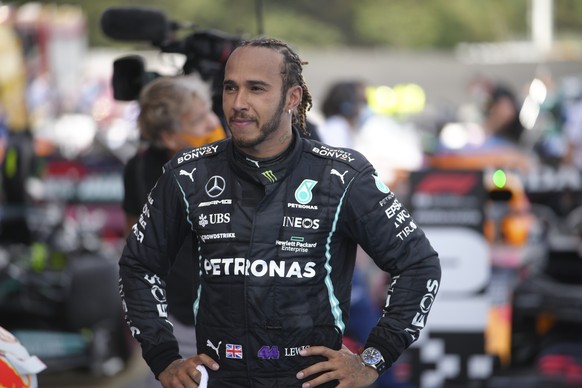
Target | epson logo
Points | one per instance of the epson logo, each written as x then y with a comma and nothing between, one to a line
300,222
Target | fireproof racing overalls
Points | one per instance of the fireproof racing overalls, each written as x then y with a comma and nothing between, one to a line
276,254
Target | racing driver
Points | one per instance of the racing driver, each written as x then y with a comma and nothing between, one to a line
277,218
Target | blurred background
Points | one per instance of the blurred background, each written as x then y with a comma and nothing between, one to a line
470,110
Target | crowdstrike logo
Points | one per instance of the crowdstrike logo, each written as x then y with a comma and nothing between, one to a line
215,186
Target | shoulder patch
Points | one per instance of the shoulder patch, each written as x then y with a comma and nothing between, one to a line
334,153
190,154
347,155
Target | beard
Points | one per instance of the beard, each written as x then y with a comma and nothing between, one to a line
265,131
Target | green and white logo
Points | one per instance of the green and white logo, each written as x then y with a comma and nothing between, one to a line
381,185
303,193
270,175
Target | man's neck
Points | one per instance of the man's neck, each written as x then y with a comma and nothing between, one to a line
253,160
272,148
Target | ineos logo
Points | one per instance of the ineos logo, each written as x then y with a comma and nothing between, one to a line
215,186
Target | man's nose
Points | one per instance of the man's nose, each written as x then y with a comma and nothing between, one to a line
240,101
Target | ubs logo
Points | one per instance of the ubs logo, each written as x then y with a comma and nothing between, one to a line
215,186
215,218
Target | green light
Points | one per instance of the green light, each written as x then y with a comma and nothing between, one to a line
499,179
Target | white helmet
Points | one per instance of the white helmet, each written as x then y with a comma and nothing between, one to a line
18,369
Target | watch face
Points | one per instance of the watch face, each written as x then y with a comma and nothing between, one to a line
371,356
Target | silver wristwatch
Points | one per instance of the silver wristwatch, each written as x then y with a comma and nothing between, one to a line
372,357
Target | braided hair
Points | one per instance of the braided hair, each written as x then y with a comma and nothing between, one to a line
292,75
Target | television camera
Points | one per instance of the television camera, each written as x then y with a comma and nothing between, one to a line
206,50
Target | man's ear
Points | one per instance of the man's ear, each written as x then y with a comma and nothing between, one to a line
295,95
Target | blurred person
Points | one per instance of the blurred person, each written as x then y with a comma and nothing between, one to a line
343,108
495,143
174,113
19,163
277,219
573,132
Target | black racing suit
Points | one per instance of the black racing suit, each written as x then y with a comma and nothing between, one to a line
276,254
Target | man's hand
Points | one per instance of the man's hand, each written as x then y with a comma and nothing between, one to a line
341,365
183,373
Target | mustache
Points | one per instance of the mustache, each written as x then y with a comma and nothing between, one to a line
241,117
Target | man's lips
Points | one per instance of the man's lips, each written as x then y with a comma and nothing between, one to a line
241,121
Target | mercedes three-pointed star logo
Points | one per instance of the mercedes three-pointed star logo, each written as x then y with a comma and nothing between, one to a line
215,186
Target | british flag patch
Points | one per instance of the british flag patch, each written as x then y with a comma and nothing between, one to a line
234,351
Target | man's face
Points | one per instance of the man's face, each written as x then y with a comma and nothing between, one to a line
253,101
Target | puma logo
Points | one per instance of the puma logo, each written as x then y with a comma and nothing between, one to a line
255,162
190,174
215,348
336,172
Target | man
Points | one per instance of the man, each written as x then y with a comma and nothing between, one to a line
278,218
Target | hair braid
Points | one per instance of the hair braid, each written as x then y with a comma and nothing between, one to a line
292,75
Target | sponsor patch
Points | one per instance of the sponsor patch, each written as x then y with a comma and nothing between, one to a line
216,236
215,186
270,175
189,174
381,185
340,175
196,153
333,153
268,353
303,193
295,244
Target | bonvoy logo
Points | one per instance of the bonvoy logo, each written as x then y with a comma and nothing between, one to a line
196,153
